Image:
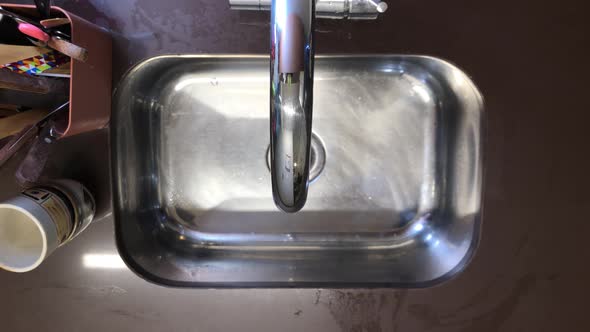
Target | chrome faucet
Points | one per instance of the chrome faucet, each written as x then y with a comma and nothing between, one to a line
291,98
291,89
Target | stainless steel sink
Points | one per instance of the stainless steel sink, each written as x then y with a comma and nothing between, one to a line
396,157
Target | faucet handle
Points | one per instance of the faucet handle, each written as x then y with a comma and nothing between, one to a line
381,6
365,9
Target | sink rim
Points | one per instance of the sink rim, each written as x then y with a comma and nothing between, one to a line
147,275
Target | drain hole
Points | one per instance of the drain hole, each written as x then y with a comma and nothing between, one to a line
317,158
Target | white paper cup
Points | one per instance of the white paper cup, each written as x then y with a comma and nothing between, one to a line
28,234
39,220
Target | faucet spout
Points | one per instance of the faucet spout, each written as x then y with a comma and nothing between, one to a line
291,100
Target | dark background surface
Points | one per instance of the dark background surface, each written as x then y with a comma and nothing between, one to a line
531,272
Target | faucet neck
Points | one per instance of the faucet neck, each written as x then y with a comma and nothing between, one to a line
291,72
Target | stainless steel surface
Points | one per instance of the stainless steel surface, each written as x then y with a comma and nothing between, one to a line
250,4
334,9
291,100
397,203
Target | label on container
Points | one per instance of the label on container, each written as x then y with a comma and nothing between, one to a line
56,209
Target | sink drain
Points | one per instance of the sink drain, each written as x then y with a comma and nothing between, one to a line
317,158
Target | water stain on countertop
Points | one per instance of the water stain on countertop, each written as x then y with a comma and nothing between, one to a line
358,311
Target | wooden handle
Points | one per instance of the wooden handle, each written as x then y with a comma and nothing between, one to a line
72,50
14,53
15,123
34,84
14,81
54,22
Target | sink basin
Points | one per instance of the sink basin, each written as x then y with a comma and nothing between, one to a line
396,161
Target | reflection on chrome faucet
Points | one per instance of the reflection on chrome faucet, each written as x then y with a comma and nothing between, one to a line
291,98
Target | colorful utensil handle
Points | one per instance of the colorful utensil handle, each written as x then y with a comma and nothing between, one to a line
33,31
